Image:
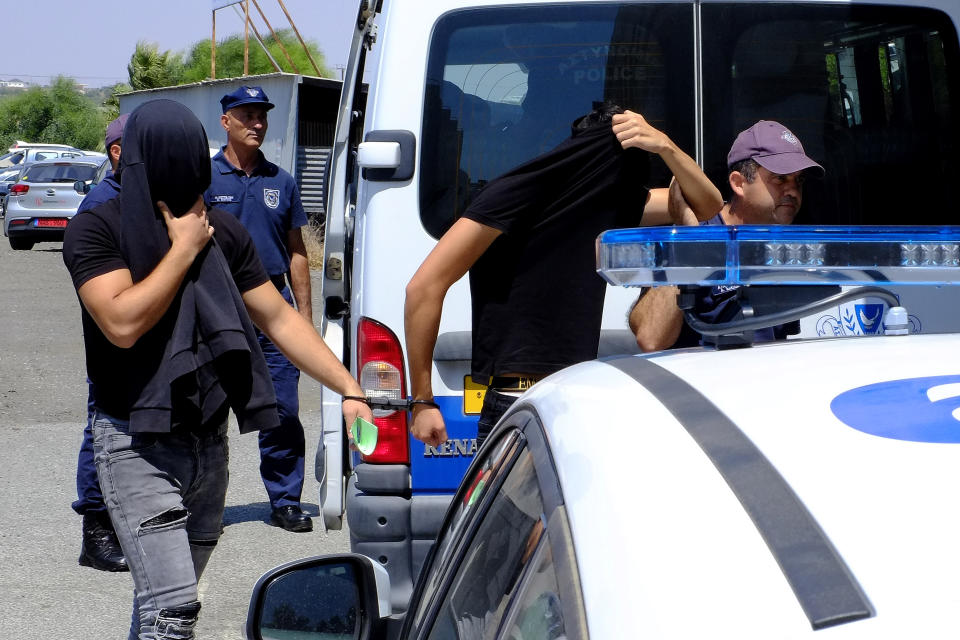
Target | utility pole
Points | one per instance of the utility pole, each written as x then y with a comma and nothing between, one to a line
247,24
213,46
302,43
246,37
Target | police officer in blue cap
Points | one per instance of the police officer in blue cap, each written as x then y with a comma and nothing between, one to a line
266,200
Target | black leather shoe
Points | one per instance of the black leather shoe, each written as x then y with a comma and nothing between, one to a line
100,548
291,518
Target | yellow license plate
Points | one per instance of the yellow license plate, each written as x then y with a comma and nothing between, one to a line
473,393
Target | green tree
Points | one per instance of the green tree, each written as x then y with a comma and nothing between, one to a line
112,103
149,68
196,65
59,114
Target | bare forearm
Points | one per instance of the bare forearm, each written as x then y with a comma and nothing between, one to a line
656,320
300,342
300,285
126,316
421,321
703,197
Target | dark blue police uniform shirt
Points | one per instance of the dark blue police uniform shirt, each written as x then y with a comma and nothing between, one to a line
104,191
267,203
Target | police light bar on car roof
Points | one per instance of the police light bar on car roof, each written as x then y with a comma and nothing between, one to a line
732,255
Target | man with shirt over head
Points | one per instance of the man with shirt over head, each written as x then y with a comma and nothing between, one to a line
767,170
169,292
528,242
99,548
266,200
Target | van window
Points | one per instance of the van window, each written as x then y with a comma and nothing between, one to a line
868,90
505,84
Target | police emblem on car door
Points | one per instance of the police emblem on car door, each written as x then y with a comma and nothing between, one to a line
271,198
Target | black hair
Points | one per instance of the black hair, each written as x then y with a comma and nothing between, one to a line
602,113
747,168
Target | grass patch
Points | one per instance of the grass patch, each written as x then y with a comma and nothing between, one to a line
313,240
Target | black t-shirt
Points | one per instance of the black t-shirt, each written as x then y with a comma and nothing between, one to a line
537,299
91,248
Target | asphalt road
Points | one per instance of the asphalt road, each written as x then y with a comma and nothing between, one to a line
44,593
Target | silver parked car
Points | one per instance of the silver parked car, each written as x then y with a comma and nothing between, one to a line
39,152
9,176
41,203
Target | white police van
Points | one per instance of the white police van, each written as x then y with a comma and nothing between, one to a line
458,91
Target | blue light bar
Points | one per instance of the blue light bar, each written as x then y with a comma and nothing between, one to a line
731,255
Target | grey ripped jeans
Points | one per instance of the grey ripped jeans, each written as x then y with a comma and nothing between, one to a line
165,493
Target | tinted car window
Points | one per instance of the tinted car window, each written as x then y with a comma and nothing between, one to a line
505,84
869,90
494,562
466,504
60,173
539,612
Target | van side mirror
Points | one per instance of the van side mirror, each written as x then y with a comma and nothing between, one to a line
332,597
81,187
387,155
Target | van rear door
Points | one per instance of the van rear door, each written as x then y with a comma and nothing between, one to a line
332,459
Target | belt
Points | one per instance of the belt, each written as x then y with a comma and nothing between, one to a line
514,383
279,281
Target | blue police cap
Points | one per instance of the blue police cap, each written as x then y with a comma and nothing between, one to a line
245,95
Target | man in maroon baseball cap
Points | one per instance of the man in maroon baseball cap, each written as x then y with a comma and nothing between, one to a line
766,171
773,147
767,167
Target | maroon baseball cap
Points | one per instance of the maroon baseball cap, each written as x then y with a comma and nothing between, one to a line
773,147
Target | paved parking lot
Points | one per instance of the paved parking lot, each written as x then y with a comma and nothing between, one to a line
44,594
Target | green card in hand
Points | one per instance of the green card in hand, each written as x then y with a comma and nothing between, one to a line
364,435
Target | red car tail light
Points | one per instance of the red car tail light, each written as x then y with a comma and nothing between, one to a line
380,363
19,188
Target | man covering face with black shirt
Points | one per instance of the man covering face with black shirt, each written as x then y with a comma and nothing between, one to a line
170,291
528,241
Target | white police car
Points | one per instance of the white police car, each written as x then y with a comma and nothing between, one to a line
790,489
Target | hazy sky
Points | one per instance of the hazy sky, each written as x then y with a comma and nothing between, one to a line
93,41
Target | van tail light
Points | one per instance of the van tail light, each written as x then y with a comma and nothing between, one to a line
380,363
19,188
